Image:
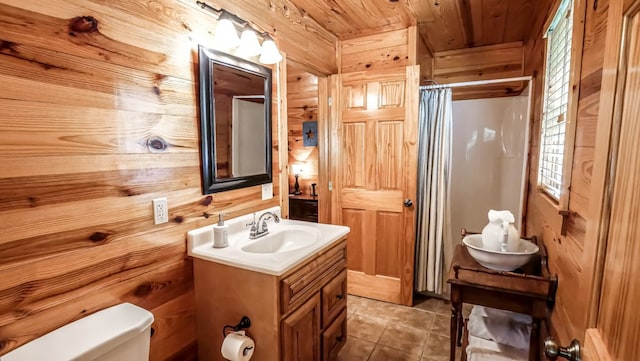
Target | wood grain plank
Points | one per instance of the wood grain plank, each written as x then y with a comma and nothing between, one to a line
43,165
582,170
40,191
390,139
379,51
41,128
379,200
371,236
354,219
34,28
386,288
388,253
410,171
494,20
173,326
369,153
147,287
587,120
353,153
364,44
324,161
594,347
618,327
359,116
481,63
380,58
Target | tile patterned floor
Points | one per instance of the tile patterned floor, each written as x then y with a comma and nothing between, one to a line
380,331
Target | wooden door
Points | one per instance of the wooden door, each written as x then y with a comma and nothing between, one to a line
375,172
301,332
615,321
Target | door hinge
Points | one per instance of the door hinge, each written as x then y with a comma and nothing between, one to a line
330,186
330,101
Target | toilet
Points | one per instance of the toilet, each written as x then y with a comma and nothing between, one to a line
118,333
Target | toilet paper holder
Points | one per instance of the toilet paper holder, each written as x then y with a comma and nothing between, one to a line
244,323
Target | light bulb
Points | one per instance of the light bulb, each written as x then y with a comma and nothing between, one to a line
270,53
249,44
226,34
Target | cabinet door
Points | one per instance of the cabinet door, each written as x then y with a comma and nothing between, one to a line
334,298
334,337
301,332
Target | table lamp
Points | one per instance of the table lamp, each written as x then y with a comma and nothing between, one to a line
297,171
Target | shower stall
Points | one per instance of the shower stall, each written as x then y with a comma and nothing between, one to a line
472,158
489,160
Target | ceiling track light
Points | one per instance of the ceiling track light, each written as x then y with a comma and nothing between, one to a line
248,45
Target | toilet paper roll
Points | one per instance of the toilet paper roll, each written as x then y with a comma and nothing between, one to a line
237,347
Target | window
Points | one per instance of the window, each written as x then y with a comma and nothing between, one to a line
556,100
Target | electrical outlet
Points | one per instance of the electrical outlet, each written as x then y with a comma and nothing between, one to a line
160,211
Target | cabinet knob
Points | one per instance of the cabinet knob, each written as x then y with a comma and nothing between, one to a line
339,296
408,203
339,338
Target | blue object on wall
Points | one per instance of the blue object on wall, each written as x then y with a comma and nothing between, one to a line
310,134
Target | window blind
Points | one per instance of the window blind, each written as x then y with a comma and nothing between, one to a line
556,99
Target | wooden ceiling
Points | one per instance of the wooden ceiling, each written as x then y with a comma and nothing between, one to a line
443,24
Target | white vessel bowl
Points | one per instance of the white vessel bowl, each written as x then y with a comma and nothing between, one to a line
496,260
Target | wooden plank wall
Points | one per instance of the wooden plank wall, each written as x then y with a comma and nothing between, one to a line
99,117
302,103
481,63
375,52
566,251
424,58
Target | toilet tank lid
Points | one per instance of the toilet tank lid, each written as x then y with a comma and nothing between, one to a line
88,337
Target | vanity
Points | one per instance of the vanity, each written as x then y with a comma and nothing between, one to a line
291,283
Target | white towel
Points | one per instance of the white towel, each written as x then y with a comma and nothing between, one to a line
499,216
496,313
501,330
484,350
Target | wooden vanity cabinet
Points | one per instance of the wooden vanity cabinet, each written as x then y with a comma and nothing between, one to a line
298,316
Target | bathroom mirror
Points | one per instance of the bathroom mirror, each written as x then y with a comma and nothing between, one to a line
235,122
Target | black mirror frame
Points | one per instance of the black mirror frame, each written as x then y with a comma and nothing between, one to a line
210,183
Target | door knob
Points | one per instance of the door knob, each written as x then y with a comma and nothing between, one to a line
552,350
408,203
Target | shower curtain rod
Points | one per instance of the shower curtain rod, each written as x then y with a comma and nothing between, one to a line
477,82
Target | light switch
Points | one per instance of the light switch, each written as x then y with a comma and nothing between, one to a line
267,191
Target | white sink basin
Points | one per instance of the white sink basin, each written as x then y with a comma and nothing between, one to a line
289,238
496,260
288,244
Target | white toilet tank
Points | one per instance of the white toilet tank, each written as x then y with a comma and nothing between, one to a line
118,333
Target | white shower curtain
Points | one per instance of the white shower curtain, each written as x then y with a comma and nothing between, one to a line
433,231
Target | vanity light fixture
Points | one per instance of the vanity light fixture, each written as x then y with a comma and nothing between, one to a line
270,53
248,45
226,35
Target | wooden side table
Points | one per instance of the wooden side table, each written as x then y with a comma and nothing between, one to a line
303,208
531,292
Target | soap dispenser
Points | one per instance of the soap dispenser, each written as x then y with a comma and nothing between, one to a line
220,233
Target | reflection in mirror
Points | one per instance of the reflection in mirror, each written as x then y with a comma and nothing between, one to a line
235,102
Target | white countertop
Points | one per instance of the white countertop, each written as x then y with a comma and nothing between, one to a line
200,245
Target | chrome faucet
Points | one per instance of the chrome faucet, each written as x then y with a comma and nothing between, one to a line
259,228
